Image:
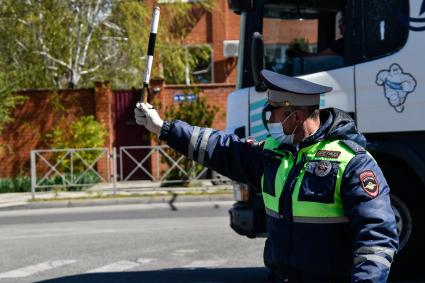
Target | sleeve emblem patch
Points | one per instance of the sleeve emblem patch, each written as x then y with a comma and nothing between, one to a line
369,183
328,153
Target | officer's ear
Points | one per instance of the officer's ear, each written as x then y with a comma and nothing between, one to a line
299,116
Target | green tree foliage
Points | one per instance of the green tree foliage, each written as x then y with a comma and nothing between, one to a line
199,113
176,21
83,133
299,45
8,101
71,43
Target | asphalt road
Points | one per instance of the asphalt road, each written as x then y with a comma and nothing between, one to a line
129,243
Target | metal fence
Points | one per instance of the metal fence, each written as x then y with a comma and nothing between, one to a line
84,167
65,168
164,164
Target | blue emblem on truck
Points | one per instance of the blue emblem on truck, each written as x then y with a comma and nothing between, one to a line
415,24
397,85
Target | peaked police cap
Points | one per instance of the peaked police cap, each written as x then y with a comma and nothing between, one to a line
288,91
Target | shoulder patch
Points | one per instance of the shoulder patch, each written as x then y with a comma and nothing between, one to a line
369,183
328,153
354,146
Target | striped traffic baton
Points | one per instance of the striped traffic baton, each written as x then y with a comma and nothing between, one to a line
149,57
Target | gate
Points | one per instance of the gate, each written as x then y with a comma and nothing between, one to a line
128,133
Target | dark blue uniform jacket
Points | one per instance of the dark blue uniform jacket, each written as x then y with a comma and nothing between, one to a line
361,250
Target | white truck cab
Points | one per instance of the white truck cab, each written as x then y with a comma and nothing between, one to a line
371,53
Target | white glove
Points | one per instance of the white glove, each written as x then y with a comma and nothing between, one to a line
147,116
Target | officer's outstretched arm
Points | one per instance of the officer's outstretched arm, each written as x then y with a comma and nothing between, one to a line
224,153
365,195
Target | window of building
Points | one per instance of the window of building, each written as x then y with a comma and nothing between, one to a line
199,64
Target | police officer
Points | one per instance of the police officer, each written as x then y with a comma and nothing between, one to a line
329,216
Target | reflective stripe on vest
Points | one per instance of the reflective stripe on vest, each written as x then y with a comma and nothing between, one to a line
304,208
271,200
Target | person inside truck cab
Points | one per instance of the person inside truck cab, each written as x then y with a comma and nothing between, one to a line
335,48
329,217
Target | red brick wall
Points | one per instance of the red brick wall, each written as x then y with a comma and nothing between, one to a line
224,68
34,119
40,113
284,31
103,97
213,28
201,31
104,103
45,109
232,24
215,94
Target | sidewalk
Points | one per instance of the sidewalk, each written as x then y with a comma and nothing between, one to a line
126,193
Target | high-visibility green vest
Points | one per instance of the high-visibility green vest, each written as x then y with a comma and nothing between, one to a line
316,186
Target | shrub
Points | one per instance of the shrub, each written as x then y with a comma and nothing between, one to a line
87,178
83,133
198,113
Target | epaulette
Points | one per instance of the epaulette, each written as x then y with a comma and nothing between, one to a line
358,149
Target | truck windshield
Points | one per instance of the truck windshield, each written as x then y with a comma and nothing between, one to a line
302,37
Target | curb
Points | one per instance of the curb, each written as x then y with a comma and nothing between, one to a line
119,201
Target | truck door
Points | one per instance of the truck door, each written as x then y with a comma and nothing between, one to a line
389,72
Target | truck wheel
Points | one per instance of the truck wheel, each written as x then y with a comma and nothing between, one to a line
407,194
403,221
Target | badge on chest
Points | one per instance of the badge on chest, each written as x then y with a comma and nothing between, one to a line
323,168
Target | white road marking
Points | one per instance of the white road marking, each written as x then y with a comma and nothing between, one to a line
185,251
28,231
32,269
115,267
205,263
116,208
142,260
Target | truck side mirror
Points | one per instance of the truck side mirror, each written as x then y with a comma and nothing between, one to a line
257,60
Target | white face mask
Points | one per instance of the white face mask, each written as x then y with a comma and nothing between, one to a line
276,131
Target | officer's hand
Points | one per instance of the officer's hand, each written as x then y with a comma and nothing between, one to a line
147,116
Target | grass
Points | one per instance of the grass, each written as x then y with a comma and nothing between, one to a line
22,184
19,184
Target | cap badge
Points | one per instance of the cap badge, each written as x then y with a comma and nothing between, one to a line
285,103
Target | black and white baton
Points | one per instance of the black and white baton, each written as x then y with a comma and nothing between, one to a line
149,58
